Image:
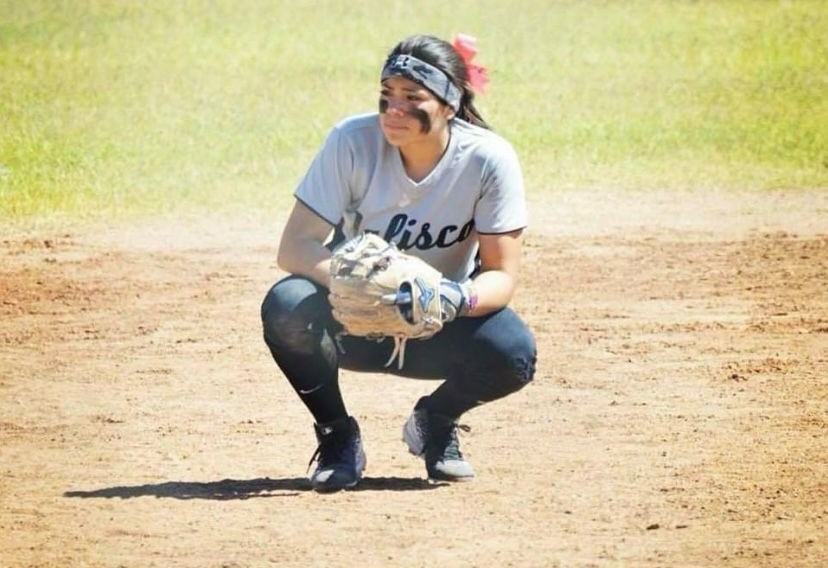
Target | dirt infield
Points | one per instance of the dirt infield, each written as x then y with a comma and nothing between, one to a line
678,416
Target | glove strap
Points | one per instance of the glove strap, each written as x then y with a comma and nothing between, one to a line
462,298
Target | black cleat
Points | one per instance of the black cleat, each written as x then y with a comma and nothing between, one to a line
340,459
434,438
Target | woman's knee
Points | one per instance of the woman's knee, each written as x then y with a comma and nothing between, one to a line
516,361
506,358
292,312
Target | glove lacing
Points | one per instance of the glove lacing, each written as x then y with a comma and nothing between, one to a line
398,352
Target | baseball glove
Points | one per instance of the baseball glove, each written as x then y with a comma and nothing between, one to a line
376,291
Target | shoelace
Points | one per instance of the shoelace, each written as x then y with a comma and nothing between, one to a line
335,445
454,441
315,456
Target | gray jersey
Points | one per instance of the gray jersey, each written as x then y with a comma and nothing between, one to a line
357,178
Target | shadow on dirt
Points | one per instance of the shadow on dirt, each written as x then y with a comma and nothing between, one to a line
228,489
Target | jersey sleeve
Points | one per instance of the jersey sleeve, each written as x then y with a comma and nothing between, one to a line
502,204
325,188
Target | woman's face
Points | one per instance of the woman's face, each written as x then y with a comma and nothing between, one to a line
410,113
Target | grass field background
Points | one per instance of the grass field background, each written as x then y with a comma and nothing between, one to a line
114,109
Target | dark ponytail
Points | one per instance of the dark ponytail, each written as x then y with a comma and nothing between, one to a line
441,54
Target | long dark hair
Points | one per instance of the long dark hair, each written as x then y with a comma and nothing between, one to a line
441,54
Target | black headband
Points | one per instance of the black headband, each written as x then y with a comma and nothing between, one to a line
426,75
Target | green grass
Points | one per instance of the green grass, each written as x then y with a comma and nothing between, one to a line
114,108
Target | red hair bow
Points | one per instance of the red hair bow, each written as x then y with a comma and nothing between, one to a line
465,46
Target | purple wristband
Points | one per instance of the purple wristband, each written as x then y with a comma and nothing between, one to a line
471,299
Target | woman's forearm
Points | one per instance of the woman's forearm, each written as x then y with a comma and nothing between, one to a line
494,290
306,257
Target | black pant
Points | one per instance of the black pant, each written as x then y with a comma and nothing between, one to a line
480,359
